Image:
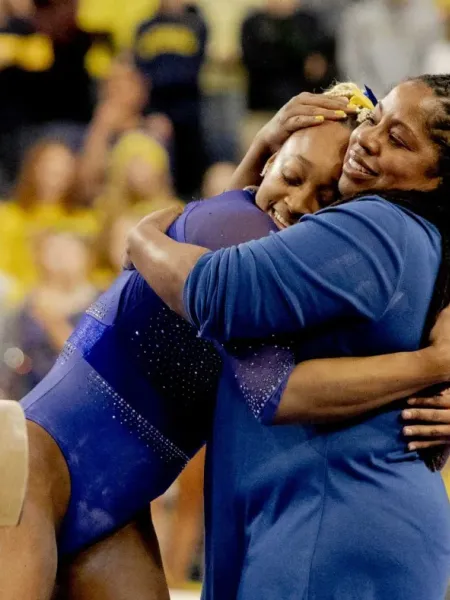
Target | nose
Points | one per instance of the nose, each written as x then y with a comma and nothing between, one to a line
368,138
304,202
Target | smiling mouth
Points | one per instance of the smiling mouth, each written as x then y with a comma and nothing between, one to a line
354,165
280,221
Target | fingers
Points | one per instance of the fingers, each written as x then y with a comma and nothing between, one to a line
307,110
429,444
432,415
322,101
303,116
438,432
161,219
303,121
440,401
428,431
171,212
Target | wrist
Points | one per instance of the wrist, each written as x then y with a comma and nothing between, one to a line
436,363
261,145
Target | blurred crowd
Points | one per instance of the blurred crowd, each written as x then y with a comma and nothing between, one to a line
110,110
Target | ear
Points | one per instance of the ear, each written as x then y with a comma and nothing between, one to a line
268,164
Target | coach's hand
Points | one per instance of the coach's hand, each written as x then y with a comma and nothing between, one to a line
304,110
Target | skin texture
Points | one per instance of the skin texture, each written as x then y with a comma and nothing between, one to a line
393,145
125,565
303,176
33,542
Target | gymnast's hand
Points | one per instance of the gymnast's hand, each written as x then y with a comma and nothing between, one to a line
304,110
433,413
141,234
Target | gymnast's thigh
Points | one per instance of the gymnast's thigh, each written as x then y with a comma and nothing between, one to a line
125,565
118,459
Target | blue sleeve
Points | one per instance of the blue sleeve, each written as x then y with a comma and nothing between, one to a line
343,262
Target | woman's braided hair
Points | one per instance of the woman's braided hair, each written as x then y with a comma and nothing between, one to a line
433,206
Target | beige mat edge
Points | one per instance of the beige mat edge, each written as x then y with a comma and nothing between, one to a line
13,462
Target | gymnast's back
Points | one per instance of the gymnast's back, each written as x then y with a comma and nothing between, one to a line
130,399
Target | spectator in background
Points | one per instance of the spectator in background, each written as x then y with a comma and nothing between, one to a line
44,68
385,41
45,197
120,18
285,51
62,293
330,11
438,58
169,51
138,182
122,98
223,79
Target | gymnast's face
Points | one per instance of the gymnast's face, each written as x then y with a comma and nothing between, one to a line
303,176
393,149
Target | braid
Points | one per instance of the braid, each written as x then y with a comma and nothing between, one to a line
434,207
440,133
440,122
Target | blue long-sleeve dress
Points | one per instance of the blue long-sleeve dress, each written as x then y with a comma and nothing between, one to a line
322,513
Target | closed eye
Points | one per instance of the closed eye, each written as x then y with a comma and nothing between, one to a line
293,181
397,141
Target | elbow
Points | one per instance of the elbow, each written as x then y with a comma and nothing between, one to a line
294,408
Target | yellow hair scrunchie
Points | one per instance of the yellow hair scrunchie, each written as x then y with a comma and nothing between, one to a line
361,101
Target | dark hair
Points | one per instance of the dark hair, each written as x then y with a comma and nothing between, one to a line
439,124
434,206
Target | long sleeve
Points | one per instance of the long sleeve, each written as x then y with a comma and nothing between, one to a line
343,262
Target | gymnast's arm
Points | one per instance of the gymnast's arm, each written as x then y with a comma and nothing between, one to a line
340,263
317,390
337,264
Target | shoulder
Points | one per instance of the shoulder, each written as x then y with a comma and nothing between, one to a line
368,211
368,227
373,217
223,204
225,220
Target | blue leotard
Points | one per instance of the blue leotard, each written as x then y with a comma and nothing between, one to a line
131,397
322,513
